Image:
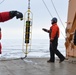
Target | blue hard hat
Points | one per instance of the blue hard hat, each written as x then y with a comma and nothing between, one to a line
54,20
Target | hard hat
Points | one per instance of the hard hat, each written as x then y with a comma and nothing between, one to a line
54,20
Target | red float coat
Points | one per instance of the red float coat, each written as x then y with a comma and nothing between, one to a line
4,16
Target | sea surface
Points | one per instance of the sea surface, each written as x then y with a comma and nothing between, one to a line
12,48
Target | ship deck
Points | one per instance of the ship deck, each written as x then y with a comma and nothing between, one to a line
36,66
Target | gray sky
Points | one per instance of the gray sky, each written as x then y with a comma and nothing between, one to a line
41,17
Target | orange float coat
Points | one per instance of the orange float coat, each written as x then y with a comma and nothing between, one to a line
54,31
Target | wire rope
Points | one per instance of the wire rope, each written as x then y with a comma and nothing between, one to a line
47,8
57,13
52,16
2,1
58,16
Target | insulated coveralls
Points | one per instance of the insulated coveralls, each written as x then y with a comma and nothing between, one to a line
54,34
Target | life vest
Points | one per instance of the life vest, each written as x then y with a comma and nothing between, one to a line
54,31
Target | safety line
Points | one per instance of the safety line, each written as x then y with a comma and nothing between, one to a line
2,1
47,9
52,16
57,13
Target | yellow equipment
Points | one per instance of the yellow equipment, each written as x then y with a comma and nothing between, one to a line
27,30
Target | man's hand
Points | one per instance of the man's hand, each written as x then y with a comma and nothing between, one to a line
45,30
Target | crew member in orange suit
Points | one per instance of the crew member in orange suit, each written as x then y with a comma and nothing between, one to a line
5,16
54,35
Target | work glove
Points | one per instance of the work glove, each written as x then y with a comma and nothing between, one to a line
18,15
44,29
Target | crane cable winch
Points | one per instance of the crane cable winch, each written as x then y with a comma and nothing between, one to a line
27,30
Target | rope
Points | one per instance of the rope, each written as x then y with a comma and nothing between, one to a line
62,34
2,1
58,17
57,14
52,16
47,8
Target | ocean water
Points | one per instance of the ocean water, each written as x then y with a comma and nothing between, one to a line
12,48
